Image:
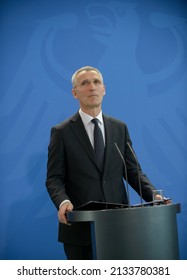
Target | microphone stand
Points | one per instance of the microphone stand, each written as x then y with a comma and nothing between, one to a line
125,168
139,181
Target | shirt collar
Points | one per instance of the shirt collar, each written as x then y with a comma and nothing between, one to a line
87,118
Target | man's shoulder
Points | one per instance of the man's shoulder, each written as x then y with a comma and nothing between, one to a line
66,122
114,120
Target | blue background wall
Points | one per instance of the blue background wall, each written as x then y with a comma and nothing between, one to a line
141,49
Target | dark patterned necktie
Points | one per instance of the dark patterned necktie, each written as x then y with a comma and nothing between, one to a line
98,143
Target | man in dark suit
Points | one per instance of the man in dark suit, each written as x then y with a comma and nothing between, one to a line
74,176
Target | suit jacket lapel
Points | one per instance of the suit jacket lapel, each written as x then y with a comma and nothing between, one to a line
81,134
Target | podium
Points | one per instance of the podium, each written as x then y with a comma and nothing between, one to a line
135,233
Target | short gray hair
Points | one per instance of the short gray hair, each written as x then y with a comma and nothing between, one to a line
85,68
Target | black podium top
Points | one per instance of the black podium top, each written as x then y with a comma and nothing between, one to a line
129,233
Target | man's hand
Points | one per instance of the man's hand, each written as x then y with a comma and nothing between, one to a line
66,207
166,201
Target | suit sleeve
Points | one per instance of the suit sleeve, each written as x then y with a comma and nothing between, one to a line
133,170
56,172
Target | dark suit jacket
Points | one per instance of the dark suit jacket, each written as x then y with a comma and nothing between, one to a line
73,173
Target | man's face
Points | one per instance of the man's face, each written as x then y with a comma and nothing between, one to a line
89,89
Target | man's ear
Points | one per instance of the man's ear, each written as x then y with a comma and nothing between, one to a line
104,90
74,93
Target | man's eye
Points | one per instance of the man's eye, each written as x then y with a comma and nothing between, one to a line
97,82
85,83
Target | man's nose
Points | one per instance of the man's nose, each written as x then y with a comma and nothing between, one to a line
92,84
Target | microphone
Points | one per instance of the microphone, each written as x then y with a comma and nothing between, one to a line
125,168
139,181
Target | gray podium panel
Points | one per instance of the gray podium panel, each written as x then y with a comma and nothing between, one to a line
137,233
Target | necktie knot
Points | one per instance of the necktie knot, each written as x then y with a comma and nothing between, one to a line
95,121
